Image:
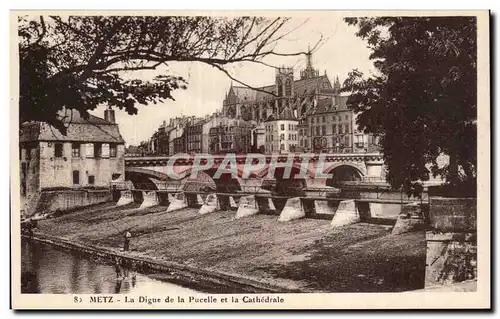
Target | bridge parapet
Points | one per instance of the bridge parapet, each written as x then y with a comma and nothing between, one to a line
186,159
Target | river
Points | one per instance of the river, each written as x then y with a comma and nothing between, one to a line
49,270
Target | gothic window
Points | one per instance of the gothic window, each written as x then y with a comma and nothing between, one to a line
280,88
288,87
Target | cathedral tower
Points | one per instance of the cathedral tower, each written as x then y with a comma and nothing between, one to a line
284,87
309,72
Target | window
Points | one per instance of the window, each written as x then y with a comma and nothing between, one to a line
312,130
76,177
334,129
346,117
97,149
28,153
58,150
282,137
91,179
282,147
289,127
341,131
112,150
324,120
317,130
282,127
323,128
347,128
75,150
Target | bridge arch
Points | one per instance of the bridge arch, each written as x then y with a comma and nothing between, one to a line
344,172
140,181
225,183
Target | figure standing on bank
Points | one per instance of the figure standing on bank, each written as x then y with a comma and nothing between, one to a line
126,242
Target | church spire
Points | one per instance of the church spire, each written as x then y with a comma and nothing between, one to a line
336,85
309,71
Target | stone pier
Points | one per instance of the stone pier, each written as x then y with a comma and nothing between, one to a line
323,207
265,205
232,204
293,210
248,207
163,198
410,219
194,200
346,214
211,205
178,202
125,198
149,199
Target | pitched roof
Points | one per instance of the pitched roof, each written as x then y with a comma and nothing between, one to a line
300,87
285,115
93,129
327,105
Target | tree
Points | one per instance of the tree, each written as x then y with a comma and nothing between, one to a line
421,100
79,62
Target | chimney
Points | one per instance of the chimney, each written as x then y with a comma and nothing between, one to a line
109,115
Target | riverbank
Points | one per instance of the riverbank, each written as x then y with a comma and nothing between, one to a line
250,254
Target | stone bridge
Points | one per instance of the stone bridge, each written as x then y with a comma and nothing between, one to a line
291,186
247,172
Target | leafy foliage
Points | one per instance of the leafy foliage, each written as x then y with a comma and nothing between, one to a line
422,99
79,62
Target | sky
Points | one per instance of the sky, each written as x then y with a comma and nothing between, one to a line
340,52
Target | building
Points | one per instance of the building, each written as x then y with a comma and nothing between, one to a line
91,154
324,123
297,94
281,132
331,127
258,138
230,136
194,136
211,121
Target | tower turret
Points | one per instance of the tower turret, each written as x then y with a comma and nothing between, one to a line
309,71
336,85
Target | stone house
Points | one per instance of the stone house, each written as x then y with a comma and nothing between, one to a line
90,155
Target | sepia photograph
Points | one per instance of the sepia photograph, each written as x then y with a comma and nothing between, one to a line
250,160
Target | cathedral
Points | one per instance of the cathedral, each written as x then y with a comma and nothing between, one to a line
299,95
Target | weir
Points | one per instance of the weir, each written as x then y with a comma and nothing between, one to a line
248,207
346,214
211,205
125,198
150,199
178,202
293,210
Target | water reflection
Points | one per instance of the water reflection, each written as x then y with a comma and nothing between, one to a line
46,269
